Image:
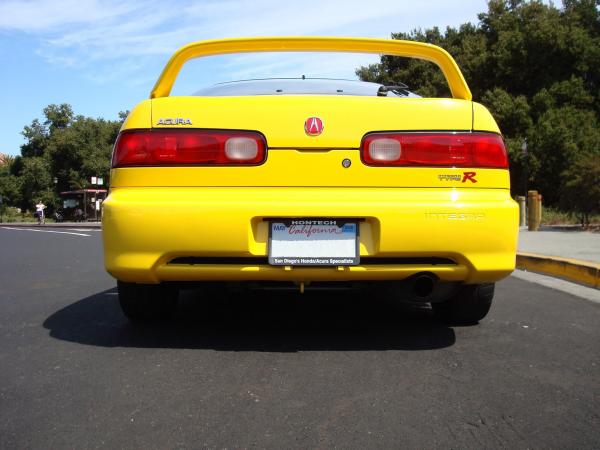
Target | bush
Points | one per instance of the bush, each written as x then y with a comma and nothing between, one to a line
13,214
581,192
554,216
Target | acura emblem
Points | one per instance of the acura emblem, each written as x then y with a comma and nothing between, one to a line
313,126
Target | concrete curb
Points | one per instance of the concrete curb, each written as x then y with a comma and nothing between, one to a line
574,270
52,225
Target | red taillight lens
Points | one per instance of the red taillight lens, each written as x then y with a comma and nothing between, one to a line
434,149
188,147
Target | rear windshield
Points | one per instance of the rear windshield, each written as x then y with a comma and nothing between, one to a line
303,86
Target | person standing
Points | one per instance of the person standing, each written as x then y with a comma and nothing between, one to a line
39,211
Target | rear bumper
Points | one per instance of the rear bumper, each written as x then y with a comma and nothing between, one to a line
145,229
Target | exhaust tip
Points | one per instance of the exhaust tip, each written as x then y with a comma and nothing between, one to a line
423,285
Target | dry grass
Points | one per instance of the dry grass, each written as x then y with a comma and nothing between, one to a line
553,216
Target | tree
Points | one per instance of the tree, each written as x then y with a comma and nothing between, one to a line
81,150
10,189
581,192
535,67
6,160
10,185
35,181
61,153
559,139
58,116
37,139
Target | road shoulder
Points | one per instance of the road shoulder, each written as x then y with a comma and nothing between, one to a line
577,290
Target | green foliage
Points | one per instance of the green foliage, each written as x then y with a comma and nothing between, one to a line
536,67
81,150
61,153
581,190
35,181
10,214
37,139
555,216
10,189
559,139
6,161
10,184
512,113
58,116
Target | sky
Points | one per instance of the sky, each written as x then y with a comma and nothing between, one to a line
103,56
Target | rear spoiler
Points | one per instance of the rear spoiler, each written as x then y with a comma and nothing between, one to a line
456,82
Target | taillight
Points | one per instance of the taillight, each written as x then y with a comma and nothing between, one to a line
188,147
434,149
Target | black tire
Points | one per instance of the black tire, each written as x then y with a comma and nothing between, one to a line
469,305
147,302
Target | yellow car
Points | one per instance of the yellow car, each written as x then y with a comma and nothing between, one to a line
309,184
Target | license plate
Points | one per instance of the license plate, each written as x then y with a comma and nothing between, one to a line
313,242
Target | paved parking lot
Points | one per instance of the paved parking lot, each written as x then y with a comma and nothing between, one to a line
273,370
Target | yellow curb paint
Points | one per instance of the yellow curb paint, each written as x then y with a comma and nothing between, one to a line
582,272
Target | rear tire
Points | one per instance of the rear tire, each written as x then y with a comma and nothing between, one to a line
469,305
147,302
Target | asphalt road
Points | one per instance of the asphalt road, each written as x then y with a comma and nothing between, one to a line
281,370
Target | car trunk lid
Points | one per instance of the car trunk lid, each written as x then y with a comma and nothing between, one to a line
281,119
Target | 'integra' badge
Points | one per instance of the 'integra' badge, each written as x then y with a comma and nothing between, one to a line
177,121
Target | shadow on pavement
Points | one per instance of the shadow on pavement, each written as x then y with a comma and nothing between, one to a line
258,321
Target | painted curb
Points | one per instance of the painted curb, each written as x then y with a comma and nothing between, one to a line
582,272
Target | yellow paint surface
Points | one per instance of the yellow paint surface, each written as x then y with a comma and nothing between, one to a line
155,214
582,272
145,228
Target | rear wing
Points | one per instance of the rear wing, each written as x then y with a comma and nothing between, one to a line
456,82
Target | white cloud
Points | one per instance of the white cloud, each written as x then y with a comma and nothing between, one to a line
107,40
38,16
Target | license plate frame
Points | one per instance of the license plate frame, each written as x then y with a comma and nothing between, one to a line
345,242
